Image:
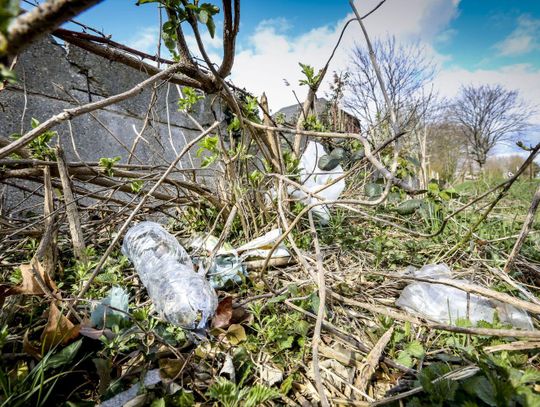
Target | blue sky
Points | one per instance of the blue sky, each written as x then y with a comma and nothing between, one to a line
470,38
471,41
481,24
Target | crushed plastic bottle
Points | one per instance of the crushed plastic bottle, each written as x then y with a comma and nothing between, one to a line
182,296
226,267
445,304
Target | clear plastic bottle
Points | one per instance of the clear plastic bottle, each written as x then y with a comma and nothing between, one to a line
181,295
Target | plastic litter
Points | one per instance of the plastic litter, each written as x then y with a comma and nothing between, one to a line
261,246
227,266
314,179
445,304
181,295
103,316
151,378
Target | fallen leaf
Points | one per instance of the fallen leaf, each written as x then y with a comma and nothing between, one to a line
236,334
59,329
30,284
170,368
270,375
227,370
240,316
29,348
224,313
96,334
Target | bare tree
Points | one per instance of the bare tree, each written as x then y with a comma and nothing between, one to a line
488,115
406,72
445,147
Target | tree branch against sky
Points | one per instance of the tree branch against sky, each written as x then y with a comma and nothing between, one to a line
407,73
489,115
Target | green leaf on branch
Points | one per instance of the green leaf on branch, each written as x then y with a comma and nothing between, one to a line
211,27
409,207
107,164
191,97
309,72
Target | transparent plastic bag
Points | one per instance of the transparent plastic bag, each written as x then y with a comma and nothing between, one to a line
181,295
445,304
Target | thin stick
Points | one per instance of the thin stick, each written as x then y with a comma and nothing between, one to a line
90,107
120,233
77,238
320,313
524,230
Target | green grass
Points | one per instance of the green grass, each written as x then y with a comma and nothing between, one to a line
89,370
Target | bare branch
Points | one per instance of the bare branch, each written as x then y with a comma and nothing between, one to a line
42,20
74,112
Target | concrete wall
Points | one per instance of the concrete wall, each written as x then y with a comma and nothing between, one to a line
53,77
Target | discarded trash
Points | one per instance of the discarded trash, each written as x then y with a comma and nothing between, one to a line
151,378
445,304
261,246
314,179
182,296
227,266
103,316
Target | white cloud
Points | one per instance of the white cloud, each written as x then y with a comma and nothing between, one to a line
523,39
522,77
145,40
409,20
272,55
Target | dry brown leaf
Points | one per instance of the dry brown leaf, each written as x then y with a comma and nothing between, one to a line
171,368
241,316
236,334
29,348
59,329
96,334
224,313
30,284
372,361
270,375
